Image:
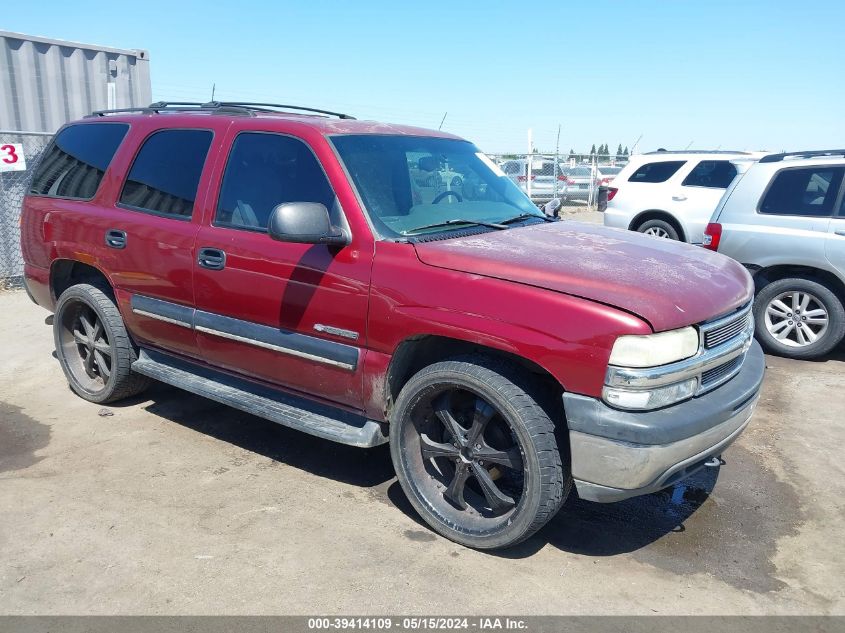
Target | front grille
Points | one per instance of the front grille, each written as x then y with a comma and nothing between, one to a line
717,375
727,330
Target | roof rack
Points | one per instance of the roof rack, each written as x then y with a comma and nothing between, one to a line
216,107
774,158
695,151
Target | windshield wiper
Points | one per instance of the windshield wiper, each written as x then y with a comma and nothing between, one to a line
452,222
525,216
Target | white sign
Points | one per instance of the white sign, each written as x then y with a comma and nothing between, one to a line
11,157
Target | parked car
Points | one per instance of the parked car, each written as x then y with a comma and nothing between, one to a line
579,183
280,264
784,220
606,173
547,182
670,194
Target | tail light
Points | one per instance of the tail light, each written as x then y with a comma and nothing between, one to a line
565,180
712,236
611,193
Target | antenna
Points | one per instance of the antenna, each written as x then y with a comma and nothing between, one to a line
440,127
213,86
689,145
634,146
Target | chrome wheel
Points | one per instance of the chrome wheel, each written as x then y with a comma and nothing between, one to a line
86,347
656,231
796,318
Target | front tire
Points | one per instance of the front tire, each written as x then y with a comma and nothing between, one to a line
93,346
476,454
798,318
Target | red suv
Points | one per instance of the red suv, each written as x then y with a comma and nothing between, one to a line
321,272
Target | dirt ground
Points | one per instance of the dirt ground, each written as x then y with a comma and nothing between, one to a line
171,504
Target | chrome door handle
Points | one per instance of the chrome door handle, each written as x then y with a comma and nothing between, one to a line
679,198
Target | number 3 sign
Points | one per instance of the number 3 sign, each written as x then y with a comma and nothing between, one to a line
11,157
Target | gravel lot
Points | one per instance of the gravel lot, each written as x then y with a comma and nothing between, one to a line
171,504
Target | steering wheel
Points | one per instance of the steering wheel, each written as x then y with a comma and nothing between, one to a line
443,194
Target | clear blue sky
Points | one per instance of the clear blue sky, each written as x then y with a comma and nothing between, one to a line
748,75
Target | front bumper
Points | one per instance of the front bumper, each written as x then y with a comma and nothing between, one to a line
619,454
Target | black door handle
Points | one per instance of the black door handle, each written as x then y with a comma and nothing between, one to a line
115,238
211,258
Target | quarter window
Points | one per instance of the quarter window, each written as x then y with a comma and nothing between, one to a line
166,173
76,161
716,174
807,191
265,170
656,172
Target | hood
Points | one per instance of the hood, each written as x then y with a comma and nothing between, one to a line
669,284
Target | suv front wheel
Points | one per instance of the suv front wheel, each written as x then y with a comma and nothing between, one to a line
798,318
476,454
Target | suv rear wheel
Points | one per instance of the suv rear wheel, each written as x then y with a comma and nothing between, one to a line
93,347
476,454
659,228
798,318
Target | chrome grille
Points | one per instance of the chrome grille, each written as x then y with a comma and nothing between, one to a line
716,376
725,329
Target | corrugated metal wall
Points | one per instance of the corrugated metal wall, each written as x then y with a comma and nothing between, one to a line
45,83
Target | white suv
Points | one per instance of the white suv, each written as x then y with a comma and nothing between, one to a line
670,194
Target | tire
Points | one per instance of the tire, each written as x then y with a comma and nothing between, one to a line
517,440
100,371
820,310
659,228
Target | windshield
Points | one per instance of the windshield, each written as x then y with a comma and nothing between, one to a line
409,183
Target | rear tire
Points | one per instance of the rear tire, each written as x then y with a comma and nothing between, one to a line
659,228
93,346
476,454
798,318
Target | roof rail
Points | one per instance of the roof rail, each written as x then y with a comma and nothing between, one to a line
175,106
695,151
216,107
266,107
774,158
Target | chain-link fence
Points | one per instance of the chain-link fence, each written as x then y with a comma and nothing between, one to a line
19,153
572,178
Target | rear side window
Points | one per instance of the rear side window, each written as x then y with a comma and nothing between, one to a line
265,170
716,174
809,191
166,173
656,172
77,159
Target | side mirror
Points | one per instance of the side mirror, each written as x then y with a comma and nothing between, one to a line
304,223
552,207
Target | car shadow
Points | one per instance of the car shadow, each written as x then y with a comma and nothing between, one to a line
347,464
580,527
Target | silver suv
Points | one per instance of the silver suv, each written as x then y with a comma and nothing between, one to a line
784,219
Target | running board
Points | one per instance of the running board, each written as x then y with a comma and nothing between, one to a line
297,413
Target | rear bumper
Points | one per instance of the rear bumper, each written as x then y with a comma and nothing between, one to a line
621,454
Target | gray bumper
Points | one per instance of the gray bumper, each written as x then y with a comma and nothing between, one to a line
620,454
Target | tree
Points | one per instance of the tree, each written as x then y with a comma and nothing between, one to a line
625,152
571,153
593,150
619,150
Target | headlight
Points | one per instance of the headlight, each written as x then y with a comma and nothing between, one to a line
650,398
652,350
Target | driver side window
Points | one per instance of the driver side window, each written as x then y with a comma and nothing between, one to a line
265,170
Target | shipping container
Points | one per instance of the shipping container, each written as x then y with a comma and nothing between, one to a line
45,83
